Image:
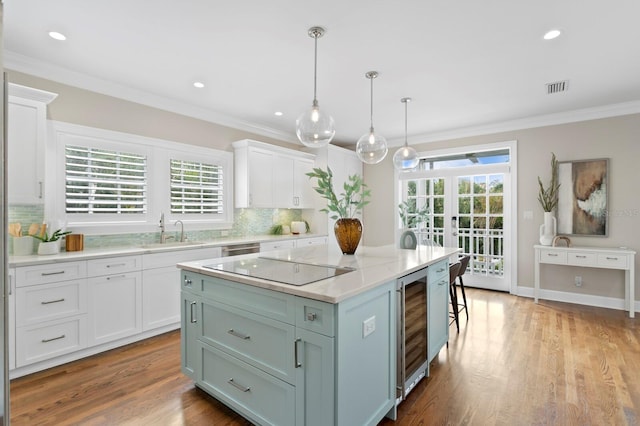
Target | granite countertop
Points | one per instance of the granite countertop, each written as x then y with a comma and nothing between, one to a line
96,253
374,266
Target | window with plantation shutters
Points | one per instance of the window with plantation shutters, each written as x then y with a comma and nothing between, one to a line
101,181
196,188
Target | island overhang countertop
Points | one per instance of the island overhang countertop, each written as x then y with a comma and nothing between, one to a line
371,266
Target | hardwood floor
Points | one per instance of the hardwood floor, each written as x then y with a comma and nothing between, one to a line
513,363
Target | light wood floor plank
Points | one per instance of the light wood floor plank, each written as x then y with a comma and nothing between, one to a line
513,363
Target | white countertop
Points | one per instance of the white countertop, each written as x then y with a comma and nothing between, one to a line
97,253
374,266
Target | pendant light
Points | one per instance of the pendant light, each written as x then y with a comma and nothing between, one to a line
315,128
405,158
371,147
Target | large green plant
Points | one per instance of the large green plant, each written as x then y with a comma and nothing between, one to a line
548,197
348,203
411,216
46,238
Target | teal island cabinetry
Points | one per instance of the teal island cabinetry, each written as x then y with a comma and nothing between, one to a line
317,354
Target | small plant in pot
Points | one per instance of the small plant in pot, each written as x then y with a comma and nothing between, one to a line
343,208
49,244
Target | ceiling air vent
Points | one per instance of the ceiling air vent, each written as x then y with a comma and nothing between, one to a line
557,87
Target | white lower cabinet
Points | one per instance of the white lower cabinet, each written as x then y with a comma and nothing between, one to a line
288,244
50,311
273,357
62,311
115,307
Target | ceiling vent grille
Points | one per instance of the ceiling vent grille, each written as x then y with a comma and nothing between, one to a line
557,87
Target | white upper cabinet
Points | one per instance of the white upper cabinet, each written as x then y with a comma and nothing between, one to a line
26,136
269,176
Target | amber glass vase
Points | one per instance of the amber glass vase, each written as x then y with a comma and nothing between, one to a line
348,233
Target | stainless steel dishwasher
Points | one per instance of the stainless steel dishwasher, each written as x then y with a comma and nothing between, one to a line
241,248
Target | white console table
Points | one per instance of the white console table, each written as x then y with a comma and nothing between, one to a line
590,257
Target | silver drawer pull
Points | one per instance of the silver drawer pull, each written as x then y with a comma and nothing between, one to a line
187,281
612,258
581,256
296,363
240,335
441,270
194,312
44,274
53,338
311,316
115,265
116,277
52,301
552,254
237,386
442,282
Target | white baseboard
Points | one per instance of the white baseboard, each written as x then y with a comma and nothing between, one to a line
580,299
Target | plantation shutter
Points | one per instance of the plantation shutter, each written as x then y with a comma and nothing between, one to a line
196,188
103,181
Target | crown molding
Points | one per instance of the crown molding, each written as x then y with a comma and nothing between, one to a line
31,66
28,65
566,117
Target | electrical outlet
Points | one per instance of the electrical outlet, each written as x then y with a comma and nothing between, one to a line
578,281
368,326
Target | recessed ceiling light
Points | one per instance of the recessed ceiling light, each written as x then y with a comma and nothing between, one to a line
198,84
279,113
57,36
550,35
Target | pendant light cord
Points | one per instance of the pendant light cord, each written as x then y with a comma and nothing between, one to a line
371,127
406,144
315,68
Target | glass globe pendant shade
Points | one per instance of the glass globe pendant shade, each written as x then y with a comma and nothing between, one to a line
371,148
405,158
315,128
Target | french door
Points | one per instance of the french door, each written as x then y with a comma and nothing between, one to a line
469,207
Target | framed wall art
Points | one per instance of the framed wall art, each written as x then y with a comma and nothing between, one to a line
582,197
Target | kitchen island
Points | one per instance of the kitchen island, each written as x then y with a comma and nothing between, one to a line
321,353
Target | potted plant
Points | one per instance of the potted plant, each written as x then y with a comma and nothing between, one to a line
49,244
343,208
548,198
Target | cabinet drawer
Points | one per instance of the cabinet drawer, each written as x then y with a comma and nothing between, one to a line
581,259
612,261
314,315
161,260
304,242
271,304
114,265
50,273
262,342
38,343
50,301
279,245
553,256
257,395
438,270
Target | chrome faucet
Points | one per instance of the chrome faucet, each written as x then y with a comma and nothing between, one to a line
163,236
182,239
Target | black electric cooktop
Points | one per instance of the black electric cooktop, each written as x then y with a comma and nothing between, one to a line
281,271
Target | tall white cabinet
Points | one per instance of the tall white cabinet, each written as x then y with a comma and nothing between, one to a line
343,163
26,135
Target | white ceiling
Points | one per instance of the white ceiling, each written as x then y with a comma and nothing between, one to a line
468,65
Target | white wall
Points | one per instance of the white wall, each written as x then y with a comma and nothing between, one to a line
614,138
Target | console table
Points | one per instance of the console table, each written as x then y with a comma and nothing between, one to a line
590,257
